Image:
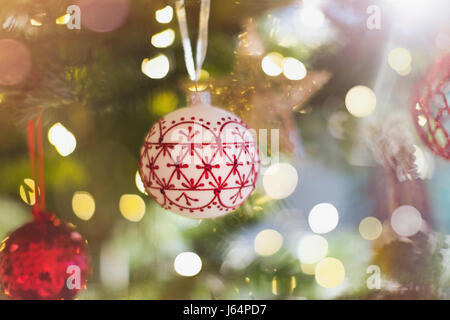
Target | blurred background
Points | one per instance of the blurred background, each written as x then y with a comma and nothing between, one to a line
359,207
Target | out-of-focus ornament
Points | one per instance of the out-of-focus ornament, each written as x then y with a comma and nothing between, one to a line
264,101
199,161
430,108
103,15
44,259
15,62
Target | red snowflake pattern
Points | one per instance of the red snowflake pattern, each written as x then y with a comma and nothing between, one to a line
202,165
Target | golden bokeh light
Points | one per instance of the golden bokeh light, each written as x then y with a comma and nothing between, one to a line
330,273
62,139
132,207
308,268
27,191
157,67
370,228
64,19
268,242
163,102
164,15
163,39
35,22
83,205
360,101
187,264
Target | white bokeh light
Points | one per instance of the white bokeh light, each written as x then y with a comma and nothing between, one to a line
360,101
323,218
400,59
157,67
62,139
280,180
272,64
312,248
164,15
406,221
163,39
187,264
294,69
312,17
139,183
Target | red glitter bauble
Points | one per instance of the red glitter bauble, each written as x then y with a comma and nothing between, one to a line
44,259
430,107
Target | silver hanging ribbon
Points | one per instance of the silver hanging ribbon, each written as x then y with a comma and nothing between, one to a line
194,69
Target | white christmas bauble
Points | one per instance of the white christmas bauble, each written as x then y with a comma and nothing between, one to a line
199,161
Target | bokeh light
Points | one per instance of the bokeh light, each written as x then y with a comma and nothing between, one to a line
132,207
139,183
163,102
62,139
27,191
312,248
164,15
323,218
370,228
114,266
157,67
103,15
280,180
15,62
293,69
312,17
83,205
308,268
163,39
35,22
272,64
64,19
400,59
360,101
268,242
424,165
330,273
406,221
188,264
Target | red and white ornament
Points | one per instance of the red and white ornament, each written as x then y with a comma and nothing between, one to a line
200,161
431,109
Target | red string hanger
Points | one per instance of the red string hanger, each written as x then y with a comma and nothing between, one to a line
35,143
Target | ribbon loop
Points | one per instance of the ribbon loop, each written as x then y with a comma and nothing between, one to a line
194,69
